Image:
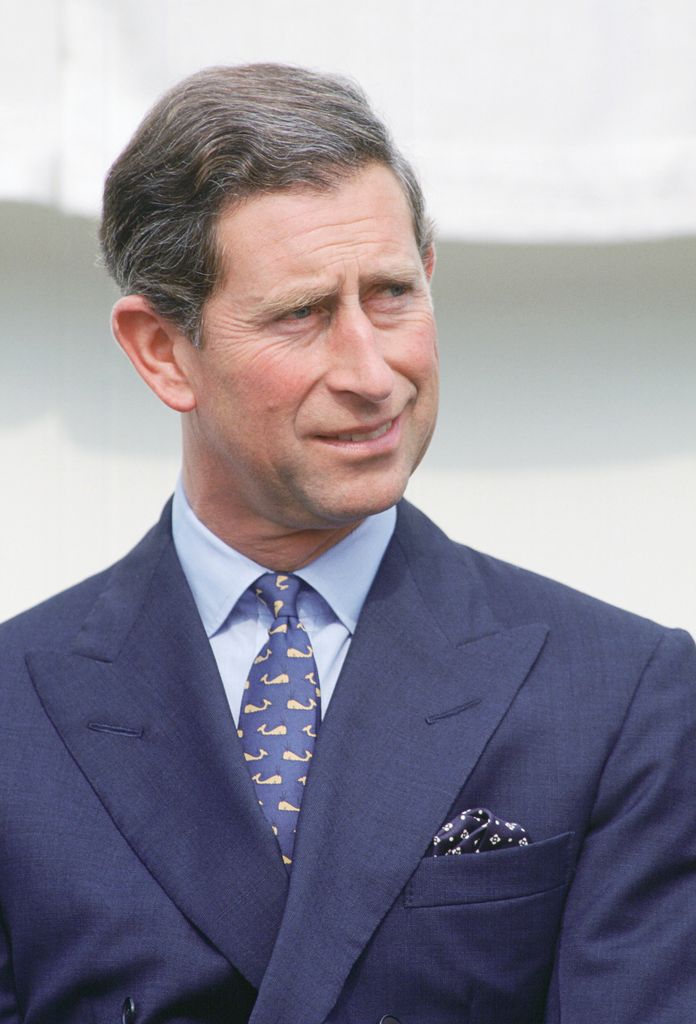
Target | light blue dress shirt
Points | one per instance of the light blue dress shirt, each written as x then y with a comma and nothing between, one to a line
236,623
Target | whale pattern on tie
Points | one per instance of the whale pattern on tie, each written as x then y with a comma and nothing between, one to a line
280,730
256,757
282,705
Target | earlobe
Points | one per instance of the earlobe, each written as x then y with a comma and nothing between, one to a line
156,348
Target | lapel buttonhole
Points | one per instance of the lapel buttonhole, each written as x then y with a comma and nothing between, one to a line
453,711
116,730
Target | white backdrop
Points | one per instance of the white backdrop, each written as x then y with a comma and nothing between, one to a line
567,440
538,119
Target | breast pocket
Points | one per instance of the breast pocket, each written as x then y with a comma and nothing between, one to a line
491,876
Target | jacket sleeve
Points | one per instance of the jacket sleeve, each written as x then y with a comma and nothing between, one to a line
627,947
9,1013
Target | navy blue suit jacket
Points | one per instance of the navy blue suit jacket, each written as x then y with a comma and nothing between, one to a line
135,861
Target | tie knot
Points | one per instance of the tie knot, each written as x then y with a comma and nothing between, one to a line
279,593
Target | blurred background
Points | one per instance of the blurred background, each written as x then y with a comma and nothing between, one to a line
557,146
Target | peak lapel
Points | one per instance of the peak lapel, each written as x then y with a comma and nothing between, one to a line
140,706
406,725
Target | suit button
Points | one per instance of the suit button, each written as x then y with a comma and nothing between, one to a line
390,1020
128,1011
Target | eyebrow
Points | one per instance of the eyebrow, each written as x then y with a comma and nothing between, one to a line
268,309
408,274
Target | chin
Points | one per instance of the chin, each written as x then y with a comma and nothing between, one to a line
353,509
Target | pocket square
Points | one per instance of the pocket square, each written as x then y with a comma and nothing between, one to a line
475,831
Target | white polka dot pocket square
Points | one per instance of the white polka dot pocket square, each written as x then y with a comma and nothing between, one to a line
476,831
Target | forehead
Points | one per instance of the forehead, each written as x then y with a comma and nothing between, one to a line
362,224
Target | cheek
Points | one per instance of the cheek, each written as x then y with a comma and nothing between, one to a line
281,382
416,357
256,386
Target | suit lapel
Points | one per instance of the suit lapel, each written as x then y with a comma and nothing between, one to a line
413,710
140,706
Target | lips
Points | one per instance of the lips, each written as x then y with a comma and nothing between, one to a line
371,435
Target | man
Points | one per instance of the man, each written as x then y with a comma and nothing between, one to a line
298,758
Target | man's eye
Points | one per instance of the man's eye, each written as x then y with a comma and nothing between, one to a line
302,313
396,290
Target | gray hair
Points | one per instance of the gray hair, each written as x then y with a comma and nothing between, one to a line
216,138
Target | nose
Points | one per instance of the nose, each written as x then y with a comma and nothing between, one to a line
357,363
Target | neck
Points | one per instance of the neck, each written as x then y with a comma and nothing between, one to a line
280,551
272,545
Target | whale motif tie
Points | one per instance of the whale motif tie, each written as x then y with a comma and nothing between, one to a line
281,710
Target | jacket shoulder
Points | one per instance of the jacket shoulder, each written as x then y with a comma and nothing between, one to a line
57,618
55,622
515,595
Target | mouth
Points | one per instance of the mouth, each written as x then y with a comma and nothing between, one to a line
371,435
369,441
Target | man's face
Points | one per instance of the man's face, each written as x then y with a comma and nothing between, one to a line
316,384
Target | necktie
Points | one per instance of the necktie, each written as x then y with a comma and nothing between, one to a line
281,710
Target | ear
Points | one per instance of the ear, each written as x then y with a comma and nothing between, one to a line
158,350
429,261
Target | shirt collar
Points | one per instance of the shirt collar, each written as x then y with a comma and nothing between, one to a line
218,575
344,573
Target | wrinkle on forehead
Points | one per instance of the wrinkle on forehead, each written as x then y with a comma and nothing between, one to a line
315,240
302,247
288,205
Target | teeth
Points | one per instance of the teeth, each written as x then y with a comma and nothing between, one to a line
366,437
